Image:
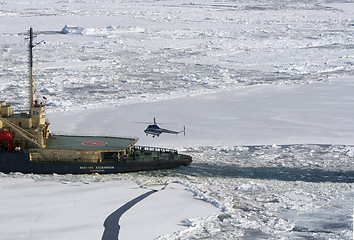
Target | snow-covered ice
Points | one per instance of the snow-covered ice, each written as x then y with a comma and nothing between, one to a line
61,207
264,88
257,115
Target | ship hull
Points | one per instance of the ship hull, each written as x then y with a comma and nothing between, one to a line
20,162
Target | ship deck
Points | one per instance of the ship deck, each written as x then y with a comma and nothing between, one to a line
89,143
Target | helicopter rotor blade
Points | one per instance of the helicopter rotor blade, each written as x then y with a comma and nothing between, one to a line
155,122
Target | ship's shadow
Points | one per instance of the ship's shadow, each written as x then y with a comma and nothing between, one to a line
111,224
269,173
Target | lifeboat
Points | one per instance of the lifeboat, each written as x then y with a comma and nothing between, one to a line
5,135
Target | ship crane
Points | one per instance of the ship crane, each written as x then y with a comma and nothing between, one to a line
27,135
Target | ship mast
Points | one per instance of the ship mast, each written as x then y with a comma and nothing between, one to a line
37,109
31,92
32,127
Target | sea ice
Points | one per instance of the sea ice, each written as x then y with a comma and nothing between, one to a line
263,87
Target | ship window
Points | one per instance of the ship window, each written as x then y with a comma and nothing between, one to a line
110,155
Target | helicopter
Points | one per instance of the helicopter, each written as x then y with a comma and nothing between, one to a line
155,130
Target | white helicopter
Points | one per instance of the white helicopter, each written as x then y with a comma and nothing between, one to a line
155,130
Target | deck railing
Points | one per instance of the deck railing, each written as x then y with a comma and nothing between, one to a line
154,149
